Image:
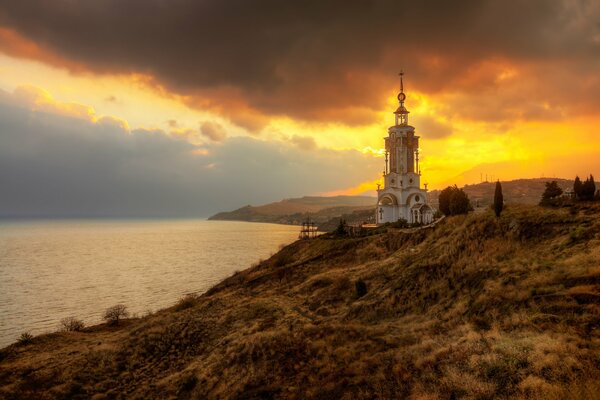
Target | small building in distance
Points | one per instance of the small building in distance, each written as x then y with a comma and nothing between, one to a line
402,196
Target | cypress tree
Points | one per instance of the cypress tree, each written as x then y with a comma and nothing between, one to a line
341,228
588,189
577,187
498,199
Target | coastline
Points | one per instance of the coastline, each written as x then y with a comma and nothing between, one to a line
432,318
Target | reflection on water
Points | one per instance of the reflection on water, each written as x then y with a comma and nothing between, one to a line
51,270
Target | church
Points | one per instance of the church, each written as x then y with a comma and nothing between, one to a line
402,196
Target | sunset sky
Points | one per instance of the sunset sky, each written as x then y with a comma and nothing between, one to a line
156,107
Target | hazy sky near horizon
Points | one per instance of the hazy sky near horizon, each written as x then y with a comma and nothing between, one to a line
155,107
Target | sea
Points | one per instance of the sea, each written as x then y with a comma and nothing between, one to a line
50,270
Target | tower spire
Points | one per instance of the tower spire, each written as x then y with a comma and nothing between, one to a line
401,112
401,83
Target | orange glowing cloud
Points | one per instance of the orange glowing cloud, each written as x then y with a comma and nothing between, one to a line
16,45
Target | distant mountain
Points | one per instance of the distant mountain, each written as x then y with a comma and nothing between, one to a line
522,191
294,211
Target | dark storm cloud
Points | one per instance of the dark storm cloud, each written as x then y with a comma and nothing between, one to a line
317,60
55,165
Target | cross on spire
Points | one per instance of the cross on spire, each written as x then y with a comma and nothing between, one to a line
401,83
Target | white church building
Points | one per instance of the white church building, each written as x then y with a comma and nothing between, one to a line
402,196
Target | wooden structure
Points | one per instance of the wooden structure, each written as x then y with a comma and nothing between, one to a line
309,229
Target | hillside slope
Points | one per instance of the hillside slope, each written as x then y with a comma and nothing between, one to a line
294,211
477,307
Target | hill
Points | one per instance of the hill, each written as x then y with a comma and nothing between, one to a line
294,211
475,307
518,191
327,211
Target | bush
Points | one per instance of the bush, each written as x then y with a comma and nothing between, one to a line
361,288
114,314
25,339
401,223
187,301
71,324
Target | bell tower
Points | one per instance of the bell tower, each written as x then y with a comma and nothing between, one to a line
401,196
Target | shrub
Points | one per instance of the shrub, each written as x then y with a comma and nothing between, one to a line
401,223
187,301
71,324
114,314
284,257
25,339
361,288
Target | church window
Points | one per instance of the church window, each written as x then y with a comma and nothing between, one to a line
417,198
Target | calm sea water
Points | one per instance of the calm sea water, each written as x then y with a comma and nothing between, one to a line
52,270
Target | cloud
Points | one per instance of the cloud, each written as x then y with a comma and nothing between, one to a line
318,61
430,128
52,164
213,131
304,142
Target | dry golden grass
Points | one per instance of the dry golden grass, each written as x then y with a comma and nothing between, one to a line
478,307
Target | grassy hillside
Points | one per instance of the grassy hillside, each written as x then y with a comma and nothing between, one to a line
294,211
476,307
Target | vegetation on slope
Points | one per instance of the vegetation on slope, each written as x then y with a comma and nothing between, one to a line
477,307
518,191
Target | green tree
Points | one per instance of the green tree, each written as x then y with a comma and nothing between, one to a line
552,191
444,200
459,202
341,229
577,187
498,199
454,201
588,189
